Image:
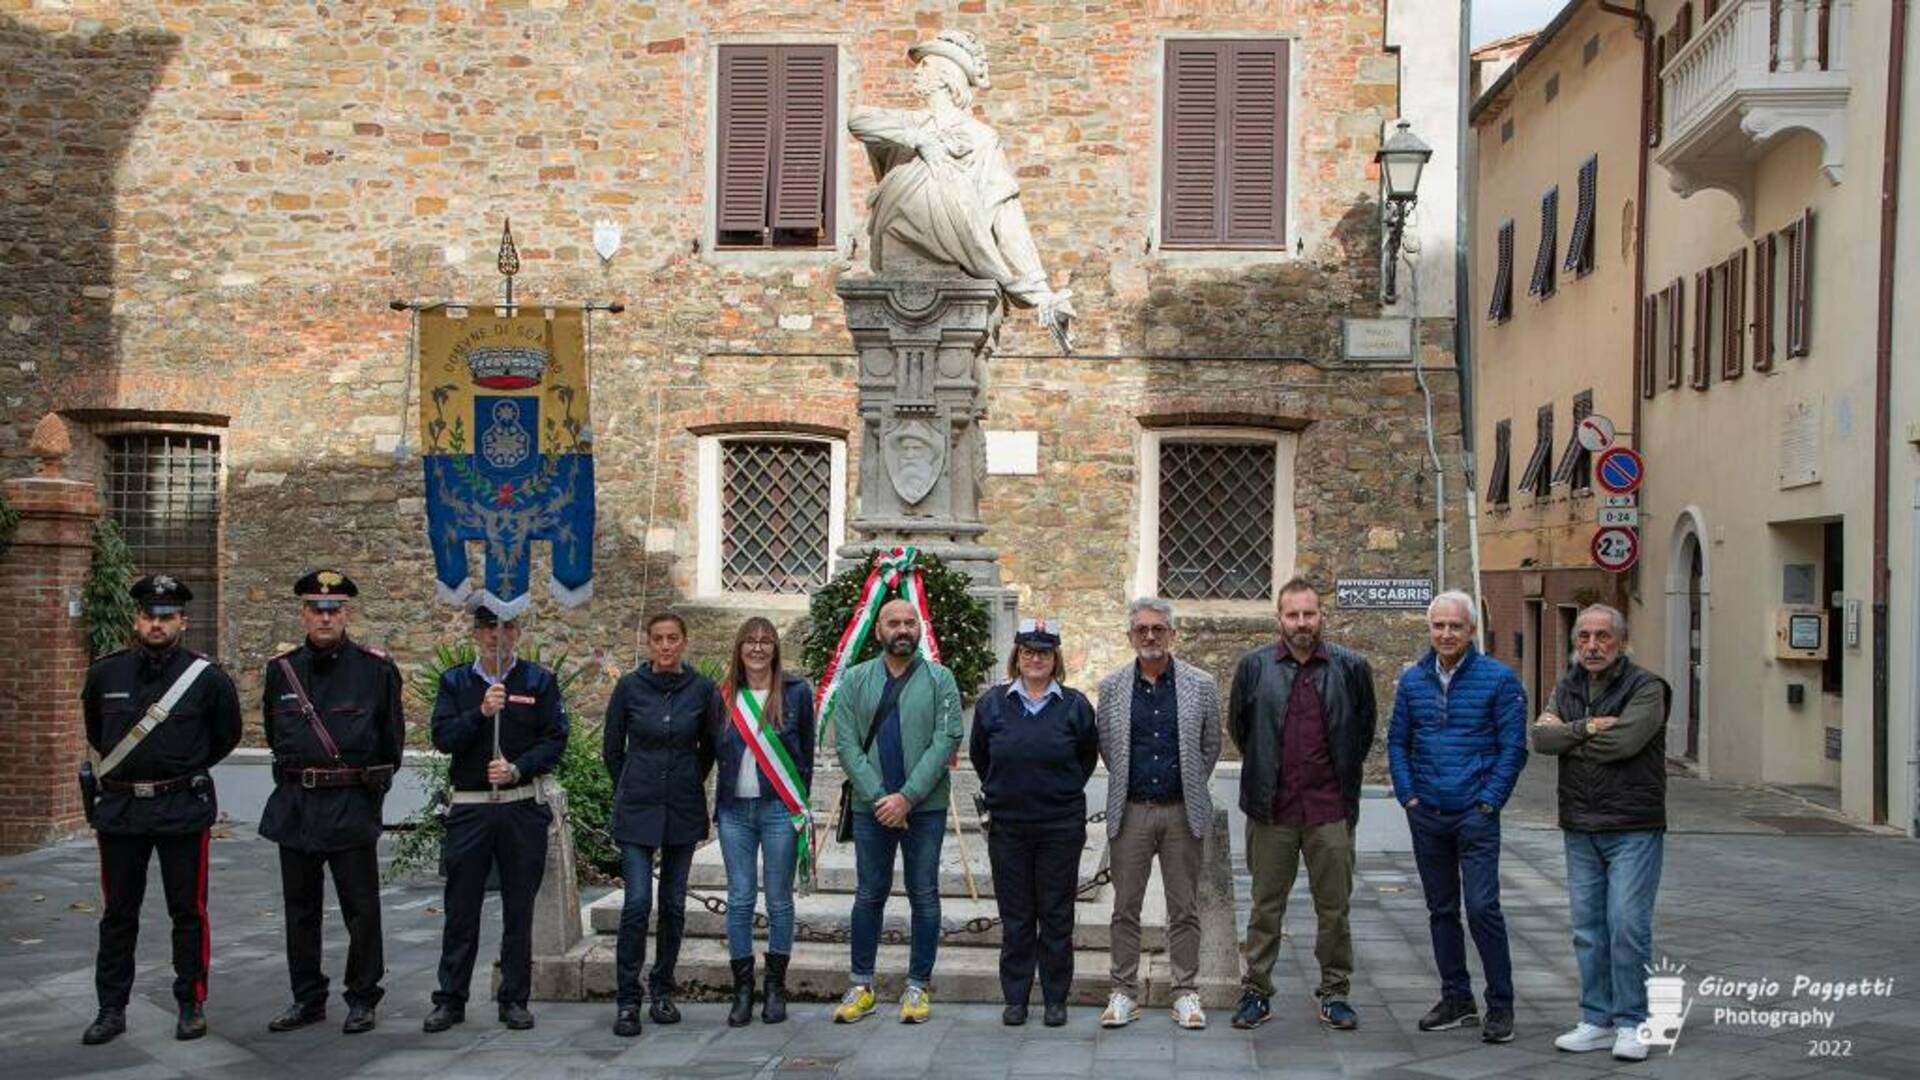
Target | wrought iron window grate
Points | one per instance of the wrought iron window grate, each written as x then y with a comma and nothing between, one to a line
163,490
1216,520
774,516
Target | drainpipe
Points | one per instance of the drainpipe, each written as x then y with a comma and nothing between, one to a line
1883,397
1463,315
1642,29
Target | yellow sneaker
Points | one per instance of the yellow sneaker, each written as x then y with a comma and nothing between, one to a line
855,1006
915,1006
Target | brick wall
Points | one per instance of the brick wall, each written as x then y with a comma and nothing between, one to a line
42,739
212,204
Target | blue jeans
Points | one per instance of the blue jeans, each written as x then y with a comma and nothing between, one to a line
873,850
748,828
1611,881
630,949
1458,853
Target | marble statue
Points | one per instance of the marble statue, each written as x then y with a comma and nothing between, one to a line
945,191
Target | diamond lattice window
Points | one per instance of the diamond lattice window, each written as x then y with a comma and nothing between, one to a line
1216,520
774,516
163,490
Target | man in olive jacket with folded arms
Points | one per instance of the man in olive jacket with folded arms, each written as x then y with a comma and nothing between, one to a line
896,727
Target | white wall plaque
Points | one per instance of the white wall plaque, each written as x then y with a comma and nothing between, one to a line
1800,442
1013,453
1377,339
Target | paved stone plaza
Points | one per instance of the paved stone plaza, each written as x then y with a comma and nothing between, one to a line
1750,892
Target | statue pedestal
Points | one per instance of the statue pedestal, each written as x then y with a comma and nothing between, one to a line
924,334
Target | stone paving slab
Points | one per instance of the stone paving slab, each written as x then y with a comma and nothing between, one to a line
1735,901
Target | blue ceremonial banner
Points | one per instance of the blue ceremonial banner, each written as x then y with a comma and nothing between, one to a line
508,451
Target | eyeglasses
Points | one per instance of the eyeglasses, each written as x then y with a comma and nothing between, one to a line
759,643
1151,631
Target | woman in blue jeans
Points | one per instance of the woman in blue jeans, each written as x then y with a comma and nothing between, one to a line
765,745
658,747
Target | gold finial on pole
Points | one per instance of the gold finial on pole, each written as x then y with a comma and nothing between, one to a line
509,262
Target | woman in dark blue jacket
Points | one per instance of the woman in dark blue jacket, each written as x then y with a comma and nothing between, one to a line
1035,747
658,747
766,772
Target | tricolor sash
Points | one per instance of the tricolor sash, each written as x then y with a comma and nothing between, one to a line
777,767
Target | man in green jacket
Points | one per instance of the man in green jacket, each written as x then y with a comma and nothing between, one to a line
896,728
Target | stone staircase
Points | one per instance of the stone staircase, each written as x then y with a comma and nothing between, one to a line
968,966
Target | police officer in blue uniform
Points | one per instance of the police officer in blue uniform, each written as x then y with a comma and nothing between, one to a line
150,793
334,721
503,725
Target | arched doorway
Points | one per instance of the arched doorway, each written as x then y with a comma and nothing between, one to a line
1689,593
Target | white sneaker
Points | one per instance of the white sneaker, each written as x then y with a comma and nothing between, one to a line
1627,1045
1585,1037
1188,1013
1121,1011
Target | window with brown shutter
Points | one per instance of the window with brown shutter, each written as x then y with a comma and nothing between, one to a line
1763,302
1799,284
1501,308
1576,463
1542,284
1649,342
1733,333
1502,458
1580,244
1702,310
1223,174
1539,471
1676,304
778,128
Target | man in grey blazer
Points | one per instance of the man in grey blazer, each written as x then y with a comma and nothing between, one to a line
1159,721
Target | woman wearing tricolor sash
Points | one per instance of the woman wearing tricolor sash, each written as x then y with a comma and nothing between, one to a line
766,771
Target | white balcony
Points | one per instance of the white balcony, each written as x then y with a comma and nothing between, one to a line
1756,70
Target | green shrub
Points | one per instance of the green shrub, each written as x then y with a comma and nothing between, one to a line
107,608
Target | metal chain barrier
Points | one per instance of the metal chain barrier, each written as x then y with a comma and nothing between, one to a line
841,935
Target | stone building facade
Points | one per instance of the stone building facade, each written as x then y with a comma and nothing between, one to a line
210,208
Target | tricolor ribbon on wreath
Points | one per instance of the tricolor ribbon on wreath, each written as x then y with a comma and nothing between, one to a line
895,571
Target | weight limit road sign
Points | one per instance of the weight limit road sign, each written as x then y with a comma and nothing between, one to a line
1616,549
1619,471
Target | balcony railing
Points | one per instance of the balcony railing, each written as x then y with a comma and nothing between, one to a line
1756,69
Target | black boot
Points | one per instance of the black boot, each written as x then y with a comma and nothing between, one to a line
109,1025
774,1010
661,1008
742,1012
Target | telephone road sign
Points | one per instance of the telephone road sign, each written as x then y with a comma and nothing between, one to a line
1616,549
1595,433
1619,471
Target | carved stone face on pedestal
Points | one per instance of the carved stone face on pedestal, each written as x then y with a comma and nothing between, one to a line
915,450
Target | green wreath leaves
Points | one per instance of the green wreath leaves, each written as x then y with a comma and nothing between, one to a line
960,622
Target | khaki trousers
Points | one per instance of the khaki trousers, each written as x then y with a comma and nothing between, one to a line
1274,853
1147,830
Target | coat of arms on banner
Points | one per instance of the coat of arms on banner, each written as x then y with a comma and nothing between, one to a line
508,451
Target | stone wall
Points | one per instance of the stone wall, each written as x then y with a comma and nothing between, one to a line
211,205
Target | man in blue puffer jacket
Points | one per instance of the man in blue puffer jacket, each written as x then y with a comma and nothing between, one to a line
1456,746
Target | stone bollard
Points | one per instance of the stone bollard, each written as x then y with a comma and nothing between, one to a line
558,951
1219,940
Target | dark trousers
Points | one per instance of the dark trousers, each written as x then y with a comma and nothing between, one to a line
514,835
123,880
356,882
1458,854
1036,870
630,950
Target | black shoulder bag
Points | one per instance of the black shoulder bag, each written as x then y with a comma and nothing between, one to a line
843,833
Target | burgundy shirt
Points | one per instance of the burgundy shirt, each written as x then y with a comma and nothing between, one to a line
1308,793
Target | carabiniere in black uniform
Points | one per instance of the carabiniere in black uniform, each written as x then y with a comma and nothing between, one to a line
489,824
156,798
332,768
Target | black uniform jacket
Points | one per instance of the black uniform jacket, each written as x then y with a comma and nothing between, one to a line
658,746
203,728
533,725
355,689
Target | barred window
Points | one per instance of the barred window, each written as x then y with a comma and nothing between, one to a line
774,498
1501,308
1542,284
1216,520
1580,244
770,511
163,490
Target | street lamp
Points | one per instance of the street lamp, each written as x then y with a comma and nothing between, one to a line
1401,158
